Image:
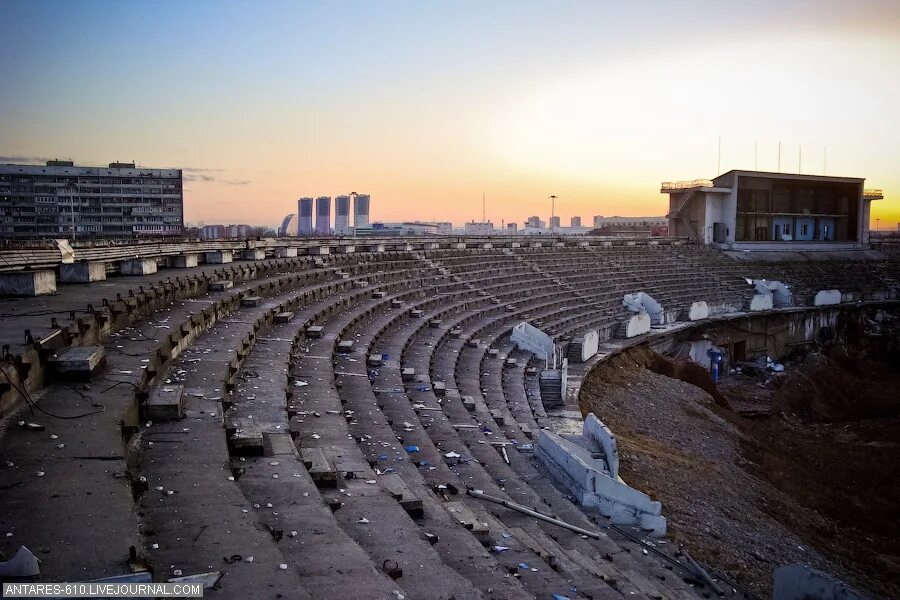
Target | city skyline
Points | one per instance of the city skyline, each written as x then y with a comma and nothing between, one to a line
427,107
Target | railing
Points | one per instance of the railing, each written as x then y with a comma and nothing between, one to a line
873,193
685,185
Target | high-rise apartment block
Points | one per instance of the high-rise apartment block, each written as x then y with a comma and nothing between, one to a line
305,216
342,216
61,200
323,215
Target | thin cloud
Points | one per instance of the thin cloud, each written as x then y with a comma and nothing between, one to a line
25,159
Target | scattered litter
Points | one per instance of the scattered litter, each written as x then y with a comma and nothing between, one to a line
283,566
412,448
249,559
300,383
209,580
40,473
452,455
363,521
499,549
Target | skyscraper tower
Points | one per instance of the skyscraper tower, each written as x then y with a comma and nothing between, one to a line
323,215
342,216
361,210
304,218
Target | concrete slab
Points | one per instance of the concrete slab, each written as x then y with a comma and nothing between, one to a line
221,286
284,317
165,403
78,363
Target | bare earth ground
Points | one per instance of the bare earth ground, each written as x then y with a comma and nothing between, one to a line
749,495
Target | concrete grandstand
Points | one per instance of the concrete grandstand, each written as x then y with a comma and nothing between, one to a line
326,419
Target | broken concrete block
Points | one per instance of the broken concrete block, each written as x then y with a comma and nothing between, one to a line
394,485
278,444
314,331
284,317
250,301
439,387
246,438
408,374
468,403
345,347
165,403
77,363
221,286
375,360
321,470
379,294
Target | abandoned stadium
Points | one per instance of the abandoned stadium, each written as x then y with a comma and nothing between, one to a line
451,418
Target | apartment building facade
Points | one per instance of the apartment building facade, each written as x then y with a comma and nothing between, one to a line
62,200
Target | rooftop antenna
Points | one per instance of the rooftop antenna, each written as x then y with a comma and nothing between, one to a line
779,157
483,209
825,160
719,160
800,160
756,155
552,210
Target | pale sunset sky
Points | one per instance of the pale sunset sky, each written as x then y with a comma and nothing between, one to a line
426,105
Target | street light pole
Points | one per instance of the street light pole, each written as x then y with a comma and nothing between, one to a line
71,187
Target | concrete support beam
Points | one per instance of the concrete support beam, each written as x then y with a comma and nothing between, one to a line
77,363
430,246
826,297
253,254
537,244
376,247
346,249
219,257
285,252
319,250
82,272
459,246
138,266
28,283
187,260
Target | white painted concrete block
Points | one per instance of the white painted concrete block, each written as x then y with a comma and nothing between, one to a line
761,302
826,297
698,310
595,430
638,324
590,345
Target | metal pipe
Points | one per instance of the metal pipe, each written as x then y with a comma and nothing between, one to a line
702,572
533,513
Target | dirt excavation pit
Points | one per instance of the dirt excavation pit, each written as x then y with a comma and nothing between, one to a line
808,476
